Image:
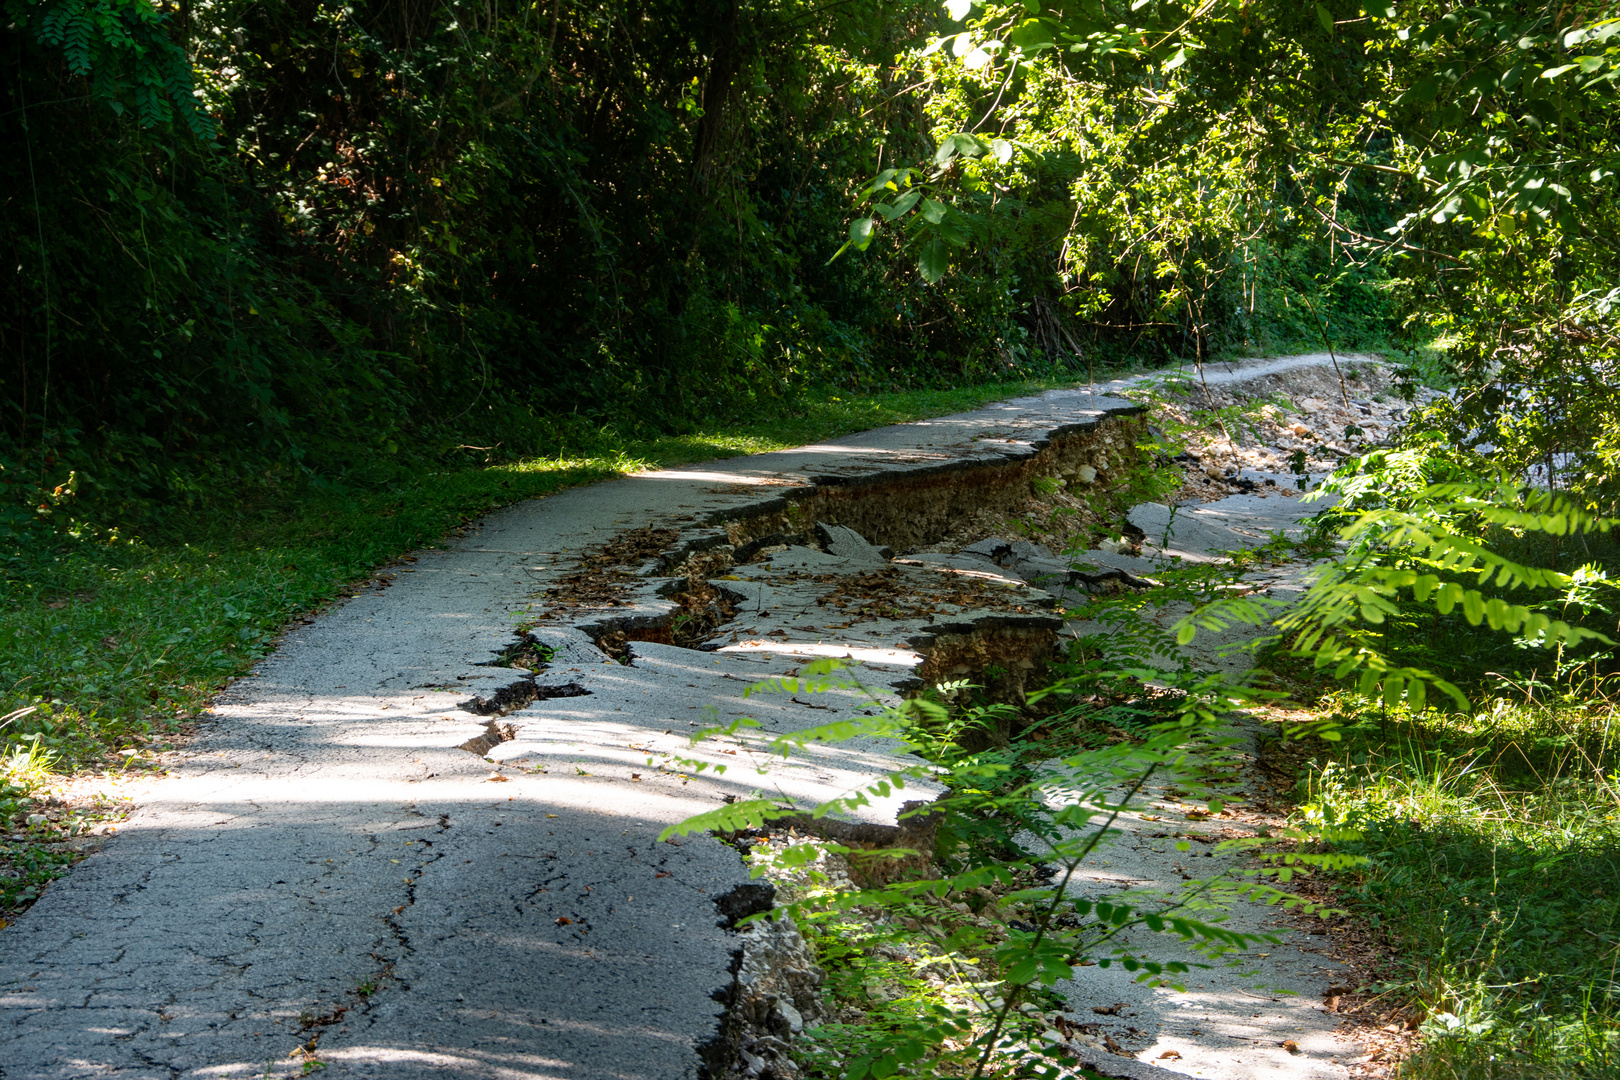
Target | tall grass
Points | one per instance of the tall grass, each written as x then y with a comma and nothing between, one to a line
1494,842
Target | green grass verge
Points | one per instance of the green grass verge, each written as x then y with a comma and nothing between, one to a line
1494,842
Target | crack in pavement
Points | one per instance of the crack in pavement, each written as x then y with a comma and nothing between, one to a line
256,884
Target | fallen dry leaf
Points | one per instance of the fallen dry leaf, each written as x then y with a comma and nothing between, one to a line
563,920
1173,1055
1290,1045
497,778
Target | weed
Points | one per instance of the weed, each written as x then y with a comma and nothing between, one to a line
941,989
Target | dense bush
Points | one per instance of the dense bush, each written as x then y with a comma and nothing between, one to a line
365,236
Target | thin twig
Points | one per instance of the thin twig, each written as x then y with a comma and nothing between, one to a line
1322,326
1058,895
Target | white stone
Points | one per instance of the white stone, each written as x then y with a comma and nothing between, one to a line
792,1015
1085,474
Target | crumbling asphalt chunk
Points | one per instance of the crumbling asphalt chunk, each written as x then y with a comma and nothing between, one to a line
749,898
846,543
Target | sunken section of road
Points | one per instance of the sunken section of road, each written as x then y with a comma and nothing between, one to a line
413,844
326,875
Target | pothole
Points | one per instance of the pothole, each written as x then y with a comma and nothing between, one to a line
525,653
494,734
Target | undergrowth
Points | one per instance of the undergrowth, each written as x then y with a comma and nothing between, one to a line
946,960
1493,847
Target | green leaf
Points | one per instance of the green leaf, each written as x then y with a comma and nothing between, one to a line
743,814
883,181
1024,971
969,145
933,259
890,211
1325,17
1032,35
958,9
1448,210
1421,92
860,233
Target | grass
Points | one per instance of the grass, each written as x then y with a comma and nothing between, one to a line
1494,842
109,644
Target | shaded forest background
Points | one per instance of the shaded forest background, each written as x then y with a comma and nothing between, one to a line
256,245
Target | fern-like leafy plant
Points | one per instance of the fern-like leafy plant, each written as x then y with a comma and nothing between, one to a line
1020,823
1410,543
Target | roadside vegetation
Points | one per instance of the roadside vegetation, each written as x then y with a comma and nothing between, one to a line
1450,767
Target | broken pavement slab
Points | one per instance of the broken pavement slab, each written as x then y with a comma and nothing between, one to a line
325,874
1202,532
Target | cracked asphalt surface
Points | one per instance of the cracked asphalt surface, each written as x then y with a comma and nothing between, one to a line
324,875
